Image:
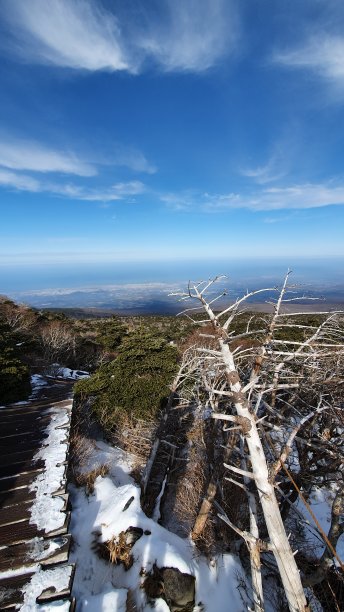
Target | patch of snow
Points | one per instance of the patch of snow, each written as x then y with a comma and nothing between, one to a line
41,549
117,461
60,606
59,577
110,600
21,571
37,380
71,374
217,584
101,517
157,513
46,510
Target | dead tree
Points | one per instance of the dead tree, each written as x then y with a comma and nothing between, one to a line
252,380
58,341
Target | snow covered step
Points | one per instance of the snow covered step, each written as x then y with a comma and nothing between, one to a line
22,512
34,544
22,531
47,551
24,591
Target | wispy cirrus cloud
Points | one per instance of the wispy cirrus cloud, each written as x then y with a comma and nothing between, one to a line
190,35
130,158
264,174
177,35
22,164
22,182
35,157
297,197
322,55
78,34
118,191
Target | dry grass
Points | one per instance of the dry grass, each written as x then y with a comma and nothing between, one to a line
80,451
87,479
136,436
119,551
191,486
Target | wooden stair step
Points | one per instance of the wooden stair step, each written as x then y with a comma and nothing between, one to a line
24,467
12,588
16,533
21,480
26,553
16,496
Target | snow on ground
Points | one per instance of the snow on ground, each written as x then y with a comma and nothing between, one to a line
110,600
113,507
59,577
38,381
47,510
70,374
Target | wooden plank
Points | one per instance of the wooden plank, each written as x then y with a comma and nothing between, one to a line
21,442
20,426
33,408
24,547
20,512
17,496
6,471
12,436
17,533
21,456
27,409
27,553
15,482
11,590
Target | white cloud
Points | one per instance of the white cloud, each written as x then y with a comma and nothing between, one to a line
36,157
26,155
178,35
18,181
119,191
295,197
75,34
192,35
322,54
264,174
131,158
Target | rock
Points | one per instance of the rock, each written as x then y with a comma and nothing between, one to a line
179,589
176,588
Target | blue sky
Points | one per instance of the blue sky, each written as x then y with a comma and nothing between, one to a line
170,129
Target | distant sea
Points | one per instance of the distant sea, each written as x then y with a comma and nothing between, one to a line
143,287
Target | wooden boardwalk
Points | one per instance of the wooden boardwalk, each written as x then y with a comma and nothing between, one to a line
34,567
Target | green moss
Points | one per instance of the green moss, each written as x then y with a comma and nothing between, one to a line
136,383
